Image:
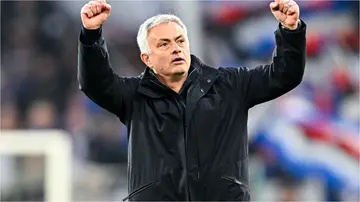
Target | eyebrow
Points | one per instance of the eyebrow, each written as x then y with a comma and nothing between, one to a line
168,40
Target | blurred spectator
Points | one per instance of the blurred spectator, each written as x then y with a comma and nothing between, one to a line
8,116
41,115
106,144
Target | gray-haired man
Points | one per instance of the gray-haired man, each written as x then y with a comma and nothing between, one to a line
187,122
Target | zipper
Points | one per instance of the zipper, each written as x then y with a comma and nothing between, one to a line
137,191
233,180
198,156
185,137
182,106
241,184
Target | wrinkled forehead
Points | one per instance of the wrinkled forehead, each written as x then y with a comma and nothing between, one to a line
168,30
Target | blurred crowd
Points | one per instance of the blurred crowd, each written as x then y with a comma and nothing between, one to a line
39,90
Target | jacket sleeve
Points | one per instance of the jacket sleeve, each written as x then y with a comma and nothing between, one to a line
97,79
267,82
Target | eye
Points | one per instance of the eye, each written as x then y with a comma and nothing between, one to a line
181,40
163,44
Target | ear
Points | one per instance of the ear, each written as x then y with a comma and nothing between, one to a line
145,58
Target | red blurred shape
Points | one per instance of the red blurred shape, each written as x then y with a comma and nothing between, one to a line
350,39
325,133
230,14
341,78
313,44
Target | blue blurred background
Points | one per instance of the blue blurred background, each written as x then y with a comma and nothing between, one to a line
303,146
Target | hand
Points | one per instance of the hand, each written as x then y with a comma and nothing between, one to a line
95,13
287,12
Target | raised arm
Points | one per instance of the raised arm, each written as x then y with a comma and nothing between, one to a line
267,82
96,78
285,72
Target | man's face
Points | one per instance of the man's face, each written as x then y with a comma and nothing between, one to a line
169,50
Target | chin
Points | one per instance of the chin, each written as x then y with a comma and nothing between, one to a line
179,70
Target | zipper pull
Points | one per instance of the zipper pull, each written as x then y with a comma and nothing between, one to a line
198,175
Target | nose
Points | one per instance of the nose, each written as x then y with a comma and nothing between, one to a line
176,49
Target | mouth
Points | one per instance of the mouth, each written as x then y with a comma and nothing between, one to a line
178,60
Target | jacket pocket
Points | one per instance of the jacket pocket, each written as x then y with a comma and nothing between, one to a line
246,189
139,190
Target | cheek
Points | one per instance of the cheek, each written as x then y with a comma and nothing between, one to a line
186,51
161,63
157,60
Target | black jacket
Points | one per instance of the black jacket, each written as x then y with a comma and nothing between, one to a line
192,145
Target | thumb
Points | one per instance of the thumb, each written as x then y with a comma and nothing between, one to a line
103,16
274,5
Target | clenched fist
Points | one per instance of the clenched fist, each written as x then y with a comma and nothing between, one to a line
287,12
95,13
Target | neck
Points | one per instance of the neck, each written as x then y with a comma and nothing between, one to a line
174,82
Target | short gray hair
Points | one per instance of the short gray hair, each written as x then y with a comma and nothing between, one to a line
142,37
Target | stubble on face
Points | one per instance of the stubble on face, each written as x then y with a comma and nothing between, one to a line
170,54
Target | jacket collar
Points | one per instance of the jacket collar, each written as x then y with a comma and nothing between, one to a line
152,87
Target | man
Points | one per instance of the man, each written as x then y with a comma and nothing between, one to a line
187,122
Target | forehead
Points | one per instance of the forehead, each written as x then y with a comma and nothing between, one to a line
166,30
